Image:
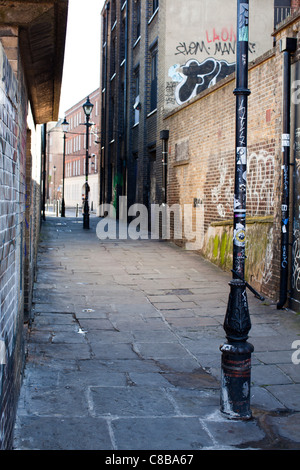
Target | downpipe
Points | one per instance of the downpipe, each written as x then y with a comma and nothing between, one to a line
287,46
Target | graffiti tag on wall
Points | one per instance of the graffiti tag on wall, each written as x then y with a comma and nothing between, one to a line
260,183
260,186
196,77
213,59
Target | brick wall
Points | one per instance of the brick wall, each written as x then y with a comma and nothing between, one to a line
201,171
13,113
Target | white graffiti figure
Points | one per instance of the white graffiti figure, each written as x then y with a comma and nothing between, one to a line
198,76
222,194
260,183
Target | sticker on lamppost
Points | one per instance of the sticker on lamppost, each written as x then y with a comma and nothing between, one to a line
239,235
2,352
243,22
242,155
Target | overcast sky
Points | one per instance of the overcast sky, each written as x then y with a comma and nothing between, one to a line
81,73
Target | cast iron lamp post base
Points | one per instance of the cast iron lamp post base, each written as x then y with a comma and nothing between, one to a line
236,355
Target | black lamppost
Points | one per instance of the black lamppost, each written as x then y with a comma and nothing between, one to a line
236,353
65,127
87,107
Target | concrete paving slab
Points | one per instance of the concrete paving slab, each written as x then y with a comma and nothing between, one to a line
170,433
67,433
129,401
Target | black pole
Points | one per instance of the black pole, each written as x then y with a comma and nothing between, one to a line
86,215
164,136
287,46
44,145
236,353
63,190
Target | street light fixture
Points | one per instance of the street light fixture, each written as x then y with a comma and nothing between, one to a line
65,128
87,108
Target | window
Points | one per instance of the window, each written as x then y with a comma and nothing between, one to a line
113,13
153,84
137,19
122,40
155,5
111,118
113,58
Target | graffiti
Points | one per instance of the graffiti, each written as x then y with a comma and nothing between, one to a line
193,48
226,34
170,93
9,81
260,183
200,76
260,186
296,261
284,261
243,22
223,191
199,47
242,115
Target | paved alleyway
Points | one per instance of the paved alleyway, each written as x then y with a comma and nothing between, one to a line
123,352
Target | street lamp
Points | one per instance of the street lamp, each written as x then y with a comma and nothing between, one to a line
236,353
65,127
87,108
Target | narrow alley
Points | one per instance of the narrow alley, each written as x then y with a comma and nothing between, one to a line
123,351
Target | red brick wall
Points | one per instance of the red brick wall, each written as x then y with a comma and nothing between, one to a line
204,132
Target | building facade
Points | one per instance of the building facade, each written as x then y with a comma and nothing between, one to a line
168,127
157,55
75,158
54,160
32,38
202,173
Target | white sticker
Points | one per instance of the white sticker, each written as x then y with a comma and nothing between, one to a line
2,352
285,140
241,155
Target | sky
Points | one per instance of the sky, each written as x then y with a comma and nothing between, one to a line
81,73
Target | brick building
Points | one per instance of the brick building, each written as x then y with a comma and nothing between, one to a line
32,38
160,75
54,161
76,154
201,168
152,53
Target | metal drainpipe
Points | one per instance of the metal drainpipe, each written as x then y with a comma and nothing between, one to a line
103,136
287,46
125,100
44,156
164,136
